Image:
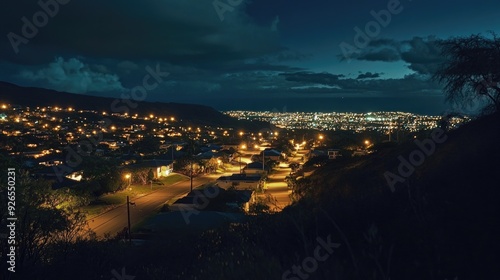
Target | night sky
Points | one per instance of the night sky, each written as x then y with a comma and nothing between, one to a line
261,54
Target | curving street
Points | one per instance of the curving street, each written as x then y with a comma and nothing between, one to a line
115,220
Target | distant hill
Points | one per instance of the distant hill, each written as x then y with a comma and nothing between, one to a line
189,113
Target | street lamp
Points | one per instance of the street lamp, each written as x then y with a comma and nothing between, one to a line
128,176
172,146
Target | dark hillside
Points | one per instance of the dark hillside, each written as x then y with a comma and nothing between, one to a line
442,221
189,113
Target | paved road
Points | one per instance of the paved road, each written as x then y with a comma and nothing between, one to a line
277,188
115,220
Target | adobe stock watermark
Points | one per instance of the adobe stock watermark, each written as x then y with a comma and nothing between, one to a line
372,29
222,7
122,276
11,219
200,202
310,264
119,105
40,19
406,167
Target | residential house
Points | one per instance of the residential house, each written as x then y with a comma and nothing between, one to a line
256,168
316,153
240,182
161,168
271,154
223,201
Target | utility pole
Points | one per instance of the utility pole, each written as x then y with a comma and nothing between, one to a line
128,218
191,158
172,157
191,174
263,160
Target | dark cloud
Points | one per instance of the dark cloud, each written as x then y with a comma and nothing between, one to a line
368,75
423,55
172,31
326,83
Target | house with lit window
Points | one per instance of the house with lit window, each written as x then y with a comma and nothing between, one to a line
161,168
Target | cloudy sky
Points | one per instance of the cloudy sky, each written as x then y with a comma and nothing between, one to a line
259,54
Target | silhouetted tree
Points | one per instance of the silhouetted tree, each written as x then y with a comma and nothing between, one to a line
102,172
148,145
42,219
294,166
472,69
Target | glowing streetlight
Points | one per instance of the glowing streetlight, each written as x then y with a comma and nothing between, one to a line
321,137
367,142
128,176
243,147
